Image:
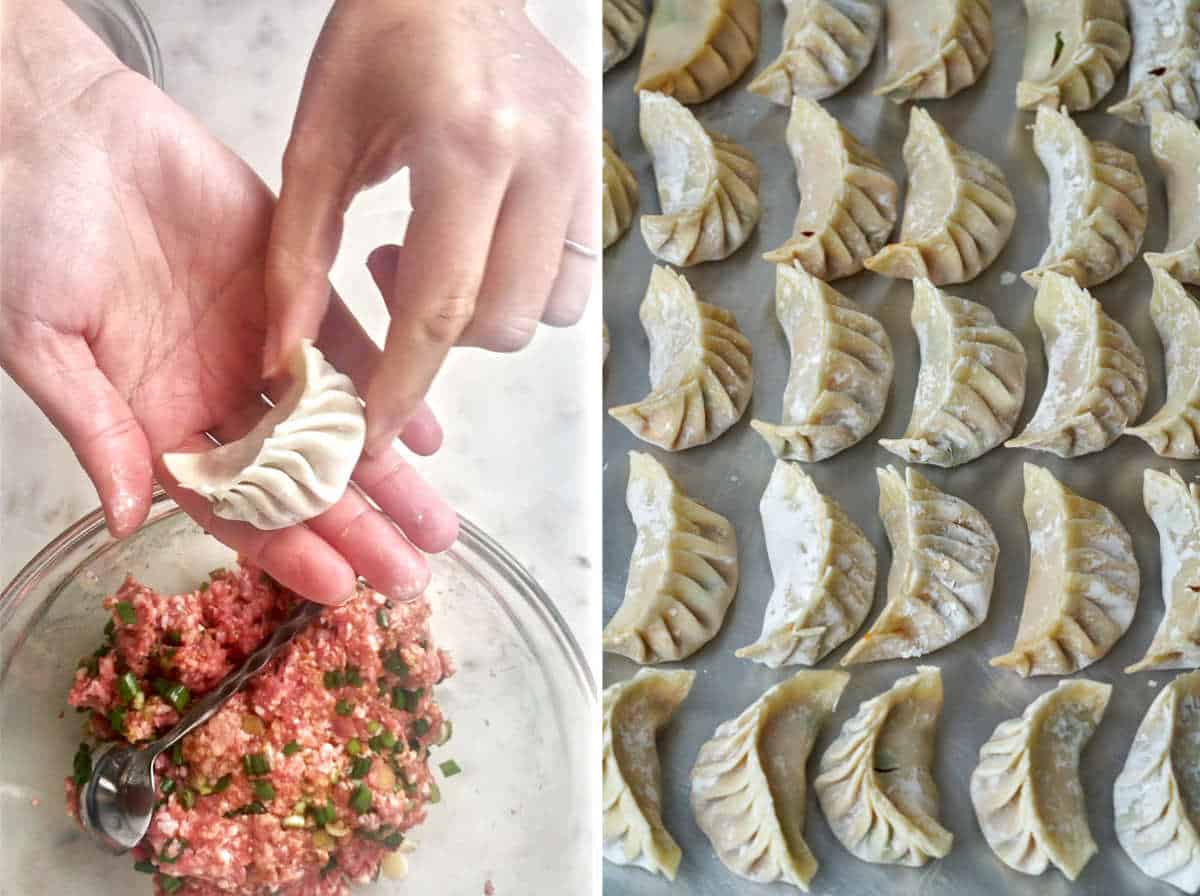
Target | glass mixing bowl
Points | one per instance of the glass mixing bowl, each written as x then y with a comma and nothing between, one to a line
522,701
124,27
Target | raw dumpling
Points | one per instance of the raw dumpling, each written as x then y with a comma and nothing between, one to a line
1074,50
958,215
748,783
707,186
826,45
1083,581
682,575
840,373
697,48
1175,508
295,463
848,202
1175,143
700,370
1175,430
1096,381
620,194
971,385
1156,798
943,565
1098,202
935,48
623,24
1026,788
634,713
824,572
1165,72
876,783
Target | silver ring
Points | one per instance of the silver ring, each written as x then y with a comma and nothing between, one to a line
581,249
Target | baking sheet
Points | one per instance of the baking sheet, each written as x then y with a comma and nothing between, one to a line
730,474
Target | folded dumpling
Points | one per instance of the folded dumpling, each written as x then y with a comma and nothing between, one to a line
707,186
848,201
840,373
748,783
697,48
971,384
701,375
1098,202
935,48
824,571
1083,581
1175,143
1074,50
1026,789
826,45
1165,71
623,24
682,575
620,194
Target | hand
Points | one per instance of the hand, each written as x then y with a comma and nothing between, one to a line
497,129
132,311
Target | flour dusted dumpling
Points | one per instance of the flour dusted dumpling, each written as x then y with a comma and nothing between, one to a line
848,201
623,24
748,783
1098,202
971,383
682,575
1074,50
707,186
1165,71
826,45
700,370
620,194
1083,581
935,48
840,373
1175,143
943,566
958,215
1026,789
297,460
1174,506
697,48
1096,382
1156,798
634,713
876,783
824,571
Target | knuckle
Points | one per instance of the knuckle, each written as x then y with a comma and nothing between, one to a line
448,318
510,335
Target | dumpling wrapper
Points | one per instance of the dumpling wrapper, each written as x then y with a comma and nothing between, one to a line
696,48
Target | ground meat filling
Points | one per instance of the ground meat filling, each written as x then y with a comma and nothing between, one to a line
304,781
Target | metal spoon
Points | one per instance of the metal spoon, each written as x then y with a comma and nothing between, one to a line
117,803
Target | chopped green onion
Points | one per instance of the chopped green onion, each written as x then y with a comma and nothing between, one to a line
174,693
145,867
116,718
170,858
354,747
394,663
353,676
187,798
382,618
447,732
177,753
173,639
292,821
170,884
374,727
362,799
254,808
82,765
344,707
1058,48
102,650
256,764
360,767
420,727
435,793
127,687
222,784
110,629
322,815
450,768
330,865
125,610
383,741
264,790
333,678
291,748
168,786
392,841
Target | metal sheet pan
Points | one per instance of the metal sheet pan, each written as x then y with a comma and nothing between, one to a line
729,475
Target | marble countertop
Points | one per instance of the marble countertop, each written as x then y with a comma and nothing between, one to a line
521,456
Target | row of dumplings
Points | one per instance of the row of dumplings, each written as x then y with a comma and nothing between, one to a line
875,782
1074,50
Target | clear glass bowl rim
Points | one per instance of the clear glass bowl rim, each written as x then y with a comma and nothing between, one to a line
133,17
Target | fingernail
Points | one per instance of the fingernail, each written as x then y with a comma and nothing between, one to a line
406,594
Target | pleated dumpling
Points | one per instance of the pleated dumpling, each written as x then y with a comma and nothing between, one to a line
620,194
701,375
1175,143
1083,581
682,575
697,48
1156,798
824,571
1174,506
1074,50
297,460
848,201
749,781
971,384
634,713
1096,378
943,566
1098,202
826,45
707,186
876,783
623,24
841,370
1165,71
1026,789
959,211
935,48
